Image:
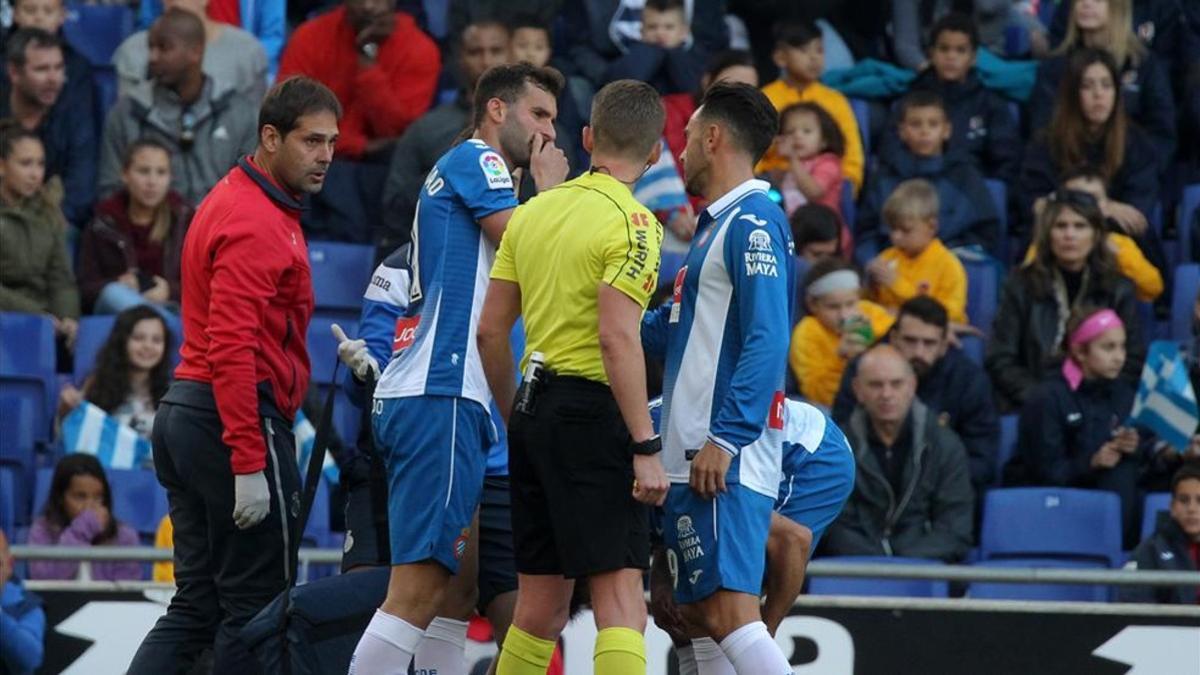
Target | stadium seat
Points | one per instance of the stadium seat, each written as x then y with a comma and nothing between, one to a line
316,531
669,267
347,419
138,500
1052,522
972,346
1008,444
27,367
848,205
862,115
16,442
95,31
911,588
340,274
104,86
41,488
999,192
988,590
93,332
1155,502
1187,207
9,479
1187,283
983,292
322,347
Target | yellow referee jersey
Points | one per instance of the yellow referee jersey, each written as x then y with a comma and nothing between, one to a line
559,247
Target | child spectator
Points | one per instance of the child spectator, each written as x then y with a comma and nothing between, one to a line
529,41
1072,268
733,65
35,273
1090,128
22,621
132,371
78,512
1174,546
800,55
813,146
917,263
817,232
839,327
1130,258
982,124
966,213
1072,430
666,57
129,254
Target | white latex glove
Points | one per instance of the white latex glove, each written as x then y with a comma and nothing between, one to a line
251,499
354,354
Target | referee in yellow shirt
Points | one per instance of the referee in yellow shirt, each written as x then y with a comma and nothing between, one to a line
580,262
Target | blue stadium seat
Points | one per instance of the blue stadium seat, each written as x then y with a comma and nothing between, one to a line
340,274
999,192
316,531
1187,284
1008,443
1187,207
104,86
138,500
910,588
972,346
9,479
849,206
987,590
347,419
983,292
41,488
27,367
862,115
95,31
1052,523
1155,502
93,332
322,347
17,443
669,267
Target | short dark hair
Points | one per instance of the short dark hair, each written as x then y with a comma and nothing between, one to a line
812,223
183,25
831,133
665,5
1085,171
1186,472
12,131
796,34
926,310
920,98
627,118
294,98
727,59
746,112
24,38
507,82
955,22
525,20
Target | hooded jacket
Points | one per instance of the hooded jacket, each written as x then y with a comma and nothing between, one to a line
107,251
1027,332
930,518
1166,550
966,212
35,270
224,129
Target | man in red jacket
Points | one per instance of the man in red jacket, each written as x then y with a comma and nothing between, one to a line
223,445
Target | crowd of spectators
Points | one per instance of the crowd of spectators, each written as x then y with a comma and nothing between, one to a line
1087,114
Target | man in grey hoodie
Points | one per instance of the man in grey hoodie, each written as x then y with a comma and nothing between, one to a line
207,126
913,496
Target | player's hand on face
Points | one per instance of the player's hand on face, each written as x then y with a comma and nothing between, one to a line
649,480
709,469
547,163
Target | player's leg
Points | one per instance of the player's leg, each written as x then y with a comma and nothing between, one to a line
540,614
788,549
497,597
443,649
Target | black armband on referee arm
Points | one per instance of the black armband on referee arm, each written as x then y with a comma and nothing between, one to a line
650,446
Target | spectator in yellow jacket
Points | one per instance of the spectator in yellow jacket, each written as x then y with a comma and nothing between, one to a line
839,326
164,538
800,55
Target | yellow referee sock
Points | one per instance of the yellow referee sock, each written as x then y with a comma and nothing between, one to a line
620,651
524,654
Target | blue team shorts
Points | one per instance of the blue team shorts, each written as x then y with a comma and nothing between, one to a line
816,485
435,450
715,544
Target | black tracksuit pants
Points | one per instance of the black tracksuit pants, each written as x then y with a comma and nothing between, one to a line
223,575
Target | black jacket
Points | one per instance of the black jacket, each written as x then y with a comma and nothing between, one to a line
1061,429
956,390
1025,335
966,213
1167,550
931,518
982,123
1135,183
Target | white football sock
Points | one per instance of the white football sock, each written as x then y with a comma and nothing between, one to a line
443,650
710,660
751,649
387,646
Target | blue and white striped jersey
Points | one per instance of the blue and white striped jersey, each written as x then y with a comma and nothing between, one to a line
724,338
433,348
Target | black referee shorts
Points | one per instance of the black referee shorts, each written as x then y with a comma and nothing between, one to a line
571,470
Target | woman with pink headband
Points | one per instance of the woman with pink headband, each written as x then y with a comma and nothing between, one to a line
1073,430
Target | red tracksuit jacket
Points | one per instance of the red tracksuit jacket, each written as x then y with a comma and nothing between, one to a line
247,299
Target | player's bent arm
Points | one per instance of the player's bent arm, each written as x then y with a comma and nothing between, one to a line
620,320
501,308
493,225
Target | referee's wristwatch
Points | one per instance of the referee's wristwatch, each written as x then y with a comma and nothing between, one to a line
650,446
